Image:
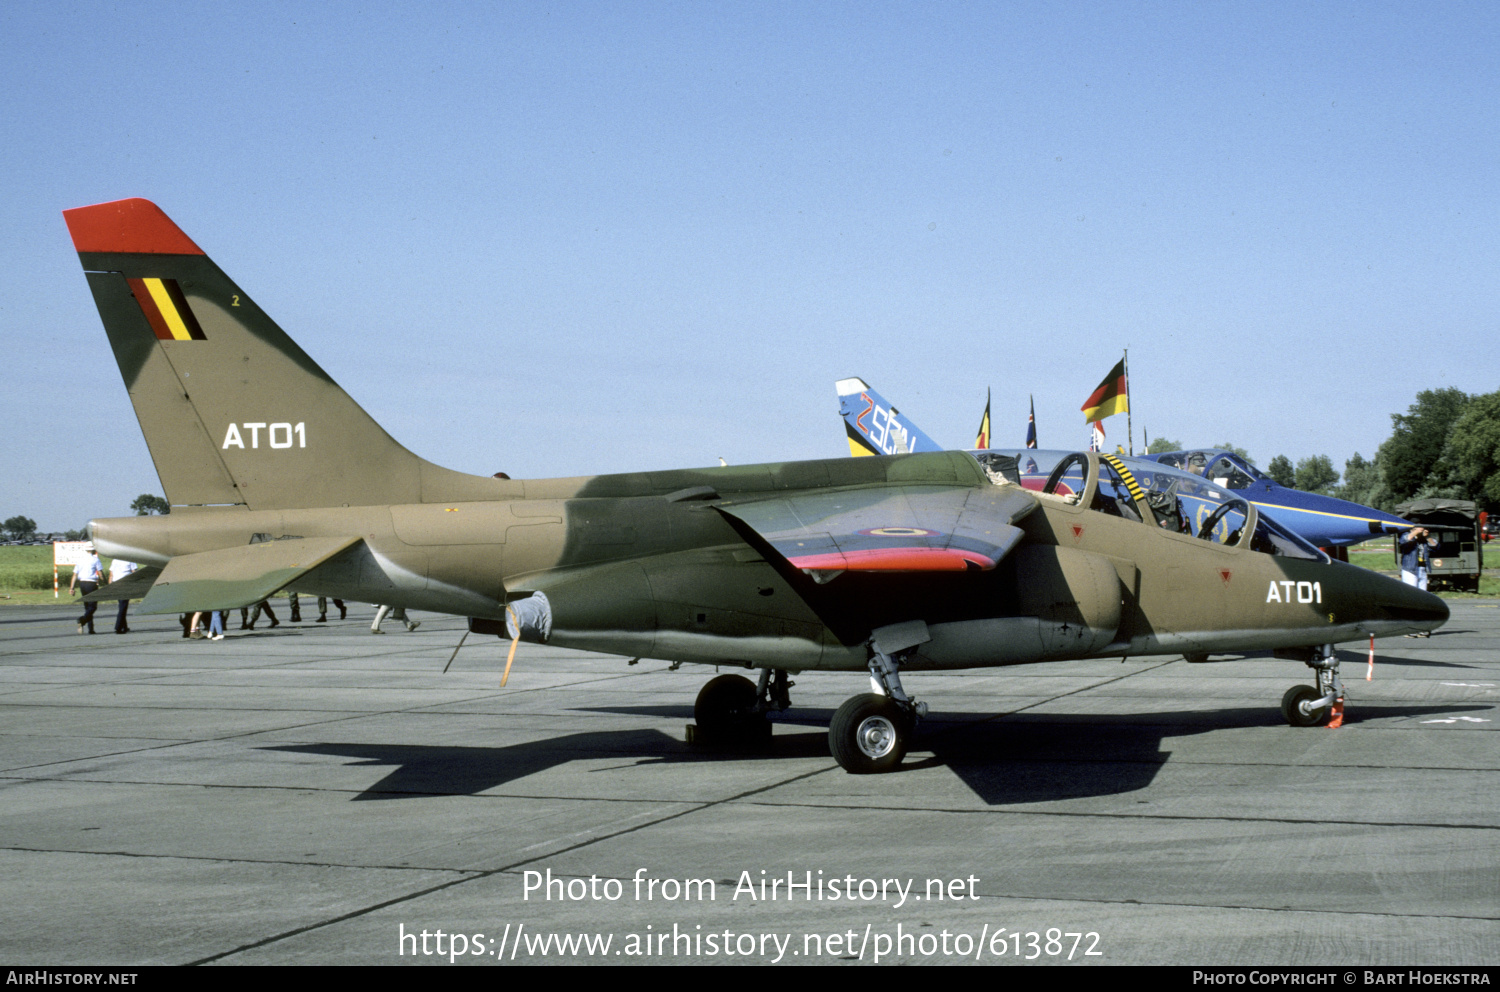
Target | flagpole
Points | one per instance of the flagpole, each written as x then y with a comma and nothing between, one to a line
1129,429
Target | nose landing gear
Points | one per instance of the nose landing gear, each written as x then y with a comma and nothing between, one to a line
1310,706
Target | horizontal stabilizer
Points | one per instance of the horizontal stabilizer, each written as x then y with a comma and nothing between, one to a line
134,586
229,579
903,529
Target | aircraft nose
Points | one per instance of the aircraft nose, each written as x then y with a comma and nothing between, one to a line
1422,610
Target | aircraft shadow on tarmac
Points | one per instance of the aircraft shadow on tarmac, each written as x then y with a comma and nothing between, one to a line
1417,663
1017,759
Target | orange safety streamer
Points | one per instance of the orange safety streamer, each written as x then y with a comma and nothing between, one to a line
515,641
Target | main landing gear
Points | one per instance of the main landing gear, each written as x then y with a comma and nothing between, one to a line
731,710
1312,705
870,732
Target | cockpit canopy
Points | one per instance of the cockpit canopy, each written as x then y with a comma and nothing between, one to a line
1223,468
1176,500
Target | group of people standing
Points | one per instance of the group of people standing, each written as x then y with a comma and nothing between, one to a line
249,616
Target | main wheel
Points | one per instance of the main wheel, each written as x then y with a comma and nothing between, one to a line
725,709
1291,706
868,734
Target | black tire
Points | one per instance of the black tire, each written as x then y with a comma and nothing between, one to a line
869,734
725,710
1195,659
1291,707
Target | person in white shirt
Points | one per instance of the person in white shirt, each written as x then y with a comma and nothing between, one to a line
119,569
86,579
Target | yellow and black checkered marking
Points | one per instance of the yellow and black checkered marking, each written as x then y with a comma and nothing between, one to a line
1131,486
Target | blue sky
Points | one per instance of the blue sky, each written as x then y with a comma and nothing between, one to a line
560,239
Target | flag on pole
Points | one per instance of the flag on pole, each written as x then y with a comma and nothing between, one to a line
1111,397
983,441
1031,426
1096,439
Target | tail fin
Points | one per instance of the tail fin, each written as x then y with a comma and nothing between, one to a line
873,425
234,412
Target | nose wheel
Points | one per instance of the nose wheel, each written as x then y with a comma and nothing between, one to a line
1323,703
1302,706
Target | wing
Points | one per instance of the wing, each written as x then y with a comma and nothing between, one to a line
235,577
133,586
889,529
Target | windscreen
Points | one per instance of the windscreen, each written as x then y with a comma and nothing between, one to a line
1232,473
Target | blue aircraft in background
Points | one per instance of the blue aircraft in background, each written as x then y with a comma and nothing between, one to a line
1189,490
1343,523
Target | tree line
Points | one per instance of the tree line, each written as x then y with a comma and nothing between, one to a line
22,528
1445,446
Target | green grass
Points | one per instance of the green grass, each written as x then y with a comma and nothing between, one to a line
23,569
1378,558
26,577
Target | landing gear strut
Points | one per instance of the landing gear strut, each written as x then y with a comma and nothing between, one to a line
1311,705
870,732
731,709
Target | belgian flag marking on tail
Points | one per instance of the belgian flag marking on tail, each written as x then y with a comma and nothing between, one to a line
166,309
1133,487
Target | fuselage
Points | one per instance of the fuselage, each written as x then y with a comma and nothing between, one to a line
642,564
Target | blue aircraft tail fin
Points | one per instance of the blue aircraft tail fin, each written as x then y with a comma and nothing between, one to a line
874,427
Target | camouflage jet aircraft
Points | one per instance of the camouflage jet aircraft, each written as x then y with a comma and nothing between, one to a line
895,564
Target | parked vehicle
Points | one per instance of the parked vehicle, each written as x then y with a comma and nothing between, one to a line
1458,559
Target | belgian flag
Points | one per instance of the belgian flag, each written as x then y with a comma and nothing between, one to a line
983,440
1112,396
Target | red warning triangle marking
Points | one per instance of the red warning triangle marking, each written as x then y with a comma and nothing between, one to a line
1224,574
1077,531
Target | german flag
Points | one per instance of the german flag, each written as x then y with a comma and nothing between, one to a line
166,309
1112,396
983,441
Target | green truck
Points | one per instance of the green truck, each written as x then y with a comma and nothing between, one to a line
1458,559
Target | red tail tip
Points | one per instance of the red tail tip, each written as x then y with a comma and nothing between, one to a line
133,225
